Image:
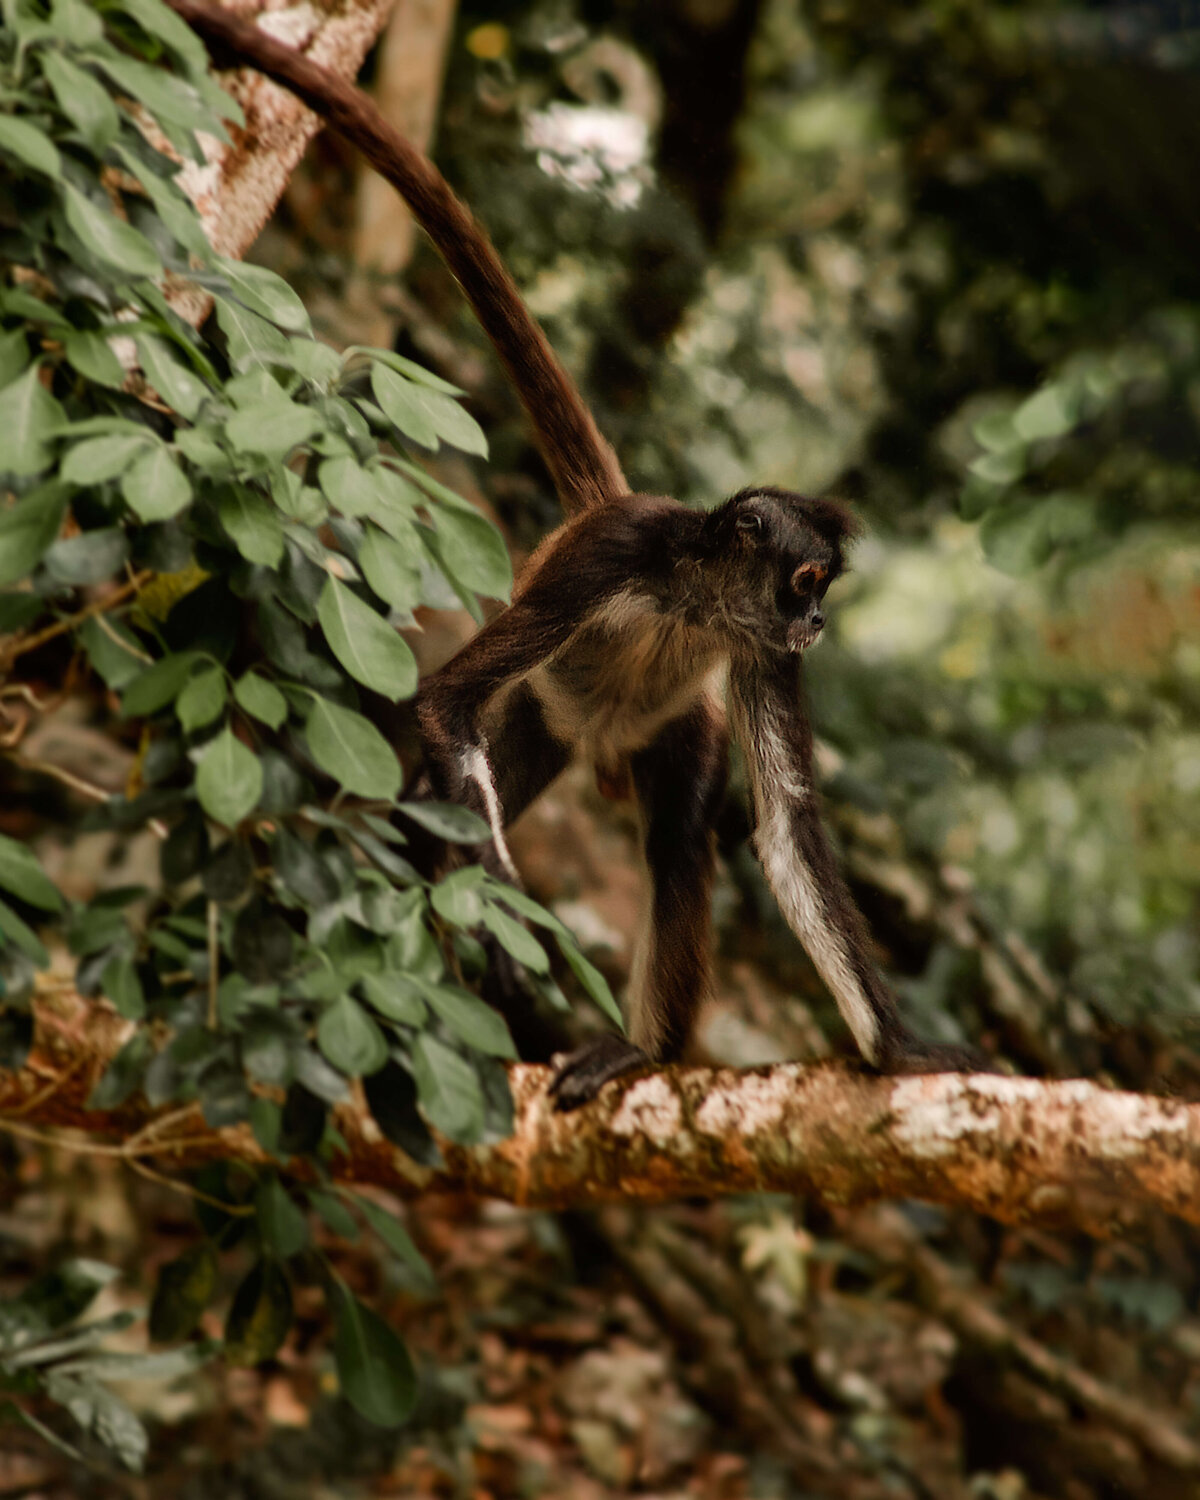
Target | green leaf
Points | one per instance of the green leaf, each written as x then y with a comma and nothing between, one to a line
182,390
22,936
515,939
185,1288
448,821
334,1213
251,339
124,1074
101,458
392,569
21,874
474,552
260,1316
315,361
312,877
392,1097
401,403
28,530
348,486
159,685
408,367
396,997
266,1121
14,355
157,20
90,557
471,1019
28,415
452,423
457,899
177,212
101,1414
375,1371
83,99
155,487
395,1236
17,610
281,1222
1001,467
448,1089
229,779
266,293
29,145
365,644
119,981
165,95
590,977
1048,413
76,22
273,427
352,750
202,699
350,1039
113,651
109,238
91,354
996,432
253,524
261,698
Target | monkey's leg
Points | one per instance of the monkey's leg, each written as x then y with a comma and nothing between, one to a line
679,781
803,872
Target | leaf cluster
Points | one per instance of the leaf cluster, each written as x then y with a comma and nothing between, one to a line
226,526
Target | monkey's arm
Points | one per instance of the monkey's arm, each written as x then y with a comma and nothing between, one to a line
582,566
802,870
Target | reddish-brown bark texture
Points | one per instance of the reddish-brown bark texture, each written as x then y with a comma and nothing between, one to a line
1024,1151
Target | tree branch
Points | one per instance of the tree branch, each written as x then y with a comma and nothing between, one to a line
1062,1154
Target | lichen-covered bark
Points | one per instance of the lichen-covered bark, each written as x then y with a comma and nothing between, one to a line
236,192
1025,1151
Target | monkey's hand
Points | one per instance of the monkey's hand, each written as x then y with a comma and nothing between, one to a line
580,1075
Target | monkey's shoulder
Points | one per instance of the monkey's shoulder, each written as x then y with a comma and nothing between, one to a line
629,538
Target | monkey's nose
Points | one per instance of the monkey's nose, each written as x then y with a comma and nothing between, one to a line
816,619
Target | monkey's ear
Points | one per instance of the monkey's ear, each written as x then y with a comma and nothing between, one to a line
749,520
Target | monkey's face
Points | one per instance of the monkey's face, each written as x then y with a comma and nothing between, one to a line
777,555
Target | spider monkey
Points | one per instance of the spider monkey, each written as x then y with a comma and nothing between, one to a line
624,627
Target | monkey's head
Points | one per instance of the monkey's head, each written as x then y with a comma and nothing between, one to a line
773,555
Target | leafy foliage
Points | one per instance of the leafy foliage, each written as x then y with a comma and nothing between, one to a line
225,526
47,1352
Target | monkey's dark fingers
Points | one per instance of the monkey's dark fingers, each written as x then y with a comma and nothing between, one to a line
580,1076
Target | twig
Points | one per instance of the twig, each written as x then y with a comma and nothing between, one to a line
131,1158
20,645
59,773
214,961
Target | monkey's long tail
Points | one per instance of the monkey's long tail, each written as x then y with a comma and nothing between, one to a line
581,462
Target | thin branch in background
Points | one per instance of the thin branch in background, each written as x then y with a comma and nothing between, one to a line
20,645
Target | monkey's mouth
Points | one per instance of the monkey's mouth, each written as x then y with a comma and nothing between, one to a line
802,637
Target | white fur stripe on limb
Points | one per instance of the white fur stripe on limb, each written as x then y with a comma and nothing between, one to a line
474,767
777,787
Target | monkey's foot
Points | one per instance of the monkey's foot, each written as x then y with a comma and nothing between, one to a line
917,1056
581,1075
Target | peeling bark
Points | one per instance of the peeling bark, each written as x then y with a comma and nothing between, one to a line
1062,1154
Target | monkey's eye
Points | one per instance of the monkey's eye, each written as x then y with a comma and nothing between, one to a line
750,521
